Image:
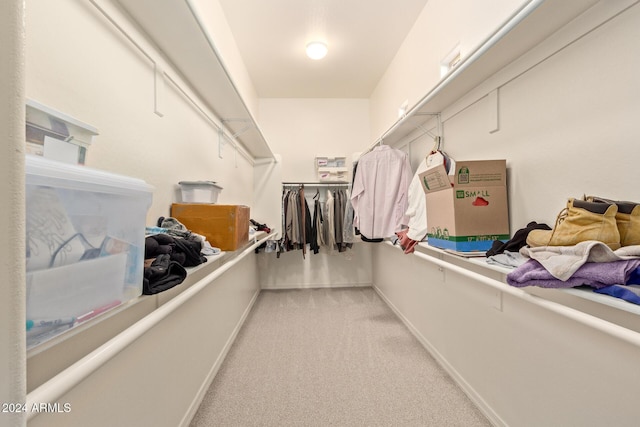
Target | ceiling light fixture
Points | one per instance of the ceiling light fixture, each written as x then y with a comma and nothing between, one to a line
316,50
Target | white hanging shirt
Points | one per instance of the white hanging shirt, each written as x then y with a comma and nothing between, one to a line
379,193
417,210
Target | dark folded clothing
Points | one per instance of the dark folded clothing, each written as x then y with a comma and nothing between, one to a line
191,251
518,240
163,274
152,247
182,250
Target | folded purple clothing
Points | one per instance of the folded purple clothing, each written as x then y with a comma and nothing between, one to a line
594,274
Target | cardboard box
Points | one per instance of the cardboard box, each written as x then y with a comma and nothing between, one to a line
468,210
225,226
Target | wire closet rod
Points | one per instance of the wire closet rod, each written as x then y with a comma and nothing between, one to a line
620,332
316,184
57,386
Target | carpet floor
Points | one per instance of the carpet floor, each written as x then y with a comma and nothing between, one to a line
331,357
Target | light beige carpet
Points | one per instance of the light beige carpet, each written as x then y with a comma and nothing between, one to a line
331,357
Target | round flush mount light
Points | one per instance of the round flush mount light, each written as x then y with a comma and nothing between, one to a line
316,50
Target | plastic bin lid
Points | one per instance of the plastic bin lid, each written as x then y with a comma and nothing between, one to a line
207,183
41,171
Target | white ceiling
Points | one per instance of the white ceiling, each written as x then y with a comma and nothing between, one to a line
363,37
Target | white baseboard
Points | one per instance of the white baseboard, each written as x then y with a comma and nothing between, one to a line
317,286
482,405
197,401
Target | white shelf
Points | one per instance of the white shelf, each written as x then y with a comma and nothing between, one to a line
175,27
533,23
333,169
584,292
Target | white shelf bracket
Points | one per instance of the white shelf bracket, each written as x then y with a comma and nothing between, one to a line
221,143
158,90
427,131
494,112
497,303
248,124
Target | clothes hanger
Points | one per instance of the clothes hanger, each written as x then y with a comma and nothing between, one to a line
436,146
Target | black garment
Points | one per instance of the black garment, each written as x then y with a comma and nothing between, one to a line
518,240
338,218
285,242
260,227
307,225
304,216
317,210
163,274
366,239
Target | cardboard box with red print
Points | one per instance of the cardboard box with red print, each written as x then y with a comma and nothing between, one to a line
468,209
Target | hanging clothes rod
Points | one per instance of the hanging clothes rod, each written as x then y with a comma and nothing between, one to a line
316,184
424,131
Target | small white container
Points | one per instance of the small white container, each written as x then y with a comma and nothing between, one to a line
199,191
56,135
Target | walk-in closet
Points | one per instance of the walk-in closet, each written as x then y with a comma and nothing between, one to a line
354,287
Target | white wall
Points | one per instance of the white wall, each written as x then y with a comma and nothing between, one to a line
327,269
267,187
558,121
81,64
566,112
12,254
567,126
87,60
415,69
300,129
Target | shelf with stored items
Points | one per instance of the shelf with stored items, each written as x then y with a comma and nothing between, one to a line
582,298
178,29
87,336
331,169
506,325
529,26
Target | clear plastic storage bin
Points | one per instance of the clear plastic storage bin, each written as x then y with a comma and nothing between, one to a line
84,241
